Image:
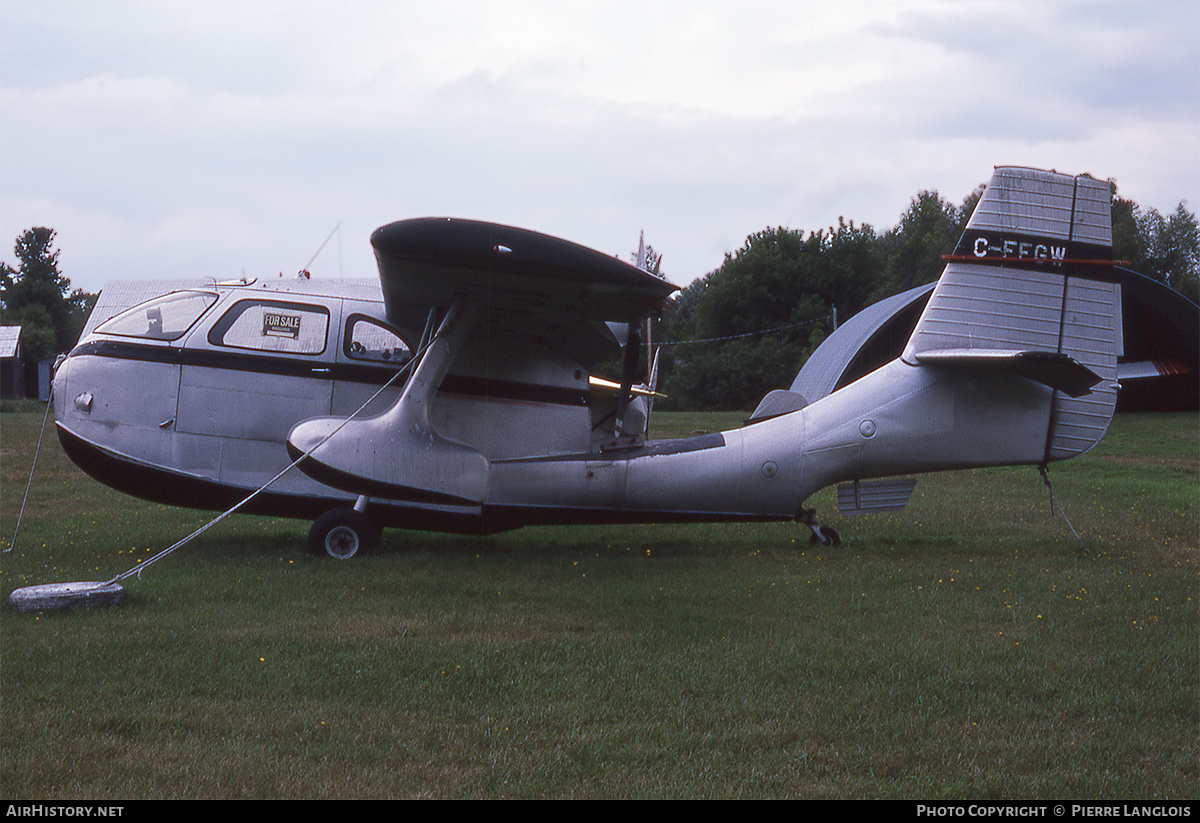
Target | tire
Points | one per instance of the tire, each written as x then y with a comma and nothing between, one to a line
343,534
829,537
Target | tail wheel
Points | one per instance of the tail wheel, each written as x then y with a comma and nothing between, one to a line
343,534
825,536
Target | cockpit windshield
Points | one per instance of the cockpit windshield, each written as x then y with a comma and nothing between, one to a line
163,318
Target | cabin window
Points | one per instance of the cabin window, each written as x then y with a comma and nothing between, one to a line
367,339
274,326
163,318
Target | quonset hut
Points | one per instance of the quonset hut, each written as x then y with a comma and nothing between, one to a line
1159,368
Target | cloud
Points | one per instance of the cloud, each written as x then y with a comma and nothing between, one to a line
1066,65
178,140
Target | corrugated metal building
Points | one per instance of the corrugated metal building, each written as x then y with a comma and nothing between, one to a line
1159,369
12,370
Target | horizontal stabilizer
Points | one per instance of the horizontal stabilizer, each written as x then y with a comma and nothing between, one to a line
862,496
1151,368
1054,369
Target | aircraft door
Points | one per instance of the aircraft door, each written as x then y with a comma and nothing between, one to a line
263,365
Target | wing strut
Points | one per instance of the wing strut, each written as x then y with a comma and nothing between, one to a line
398,455
629,369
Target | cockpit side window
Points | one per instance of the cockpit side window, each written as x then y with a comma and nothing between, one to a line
163,318
367,339
271,325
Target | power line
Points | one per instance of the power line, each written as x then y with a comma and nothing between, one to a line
746,334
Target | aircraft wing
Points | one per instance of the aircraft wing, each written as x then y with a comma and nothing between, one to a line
531,286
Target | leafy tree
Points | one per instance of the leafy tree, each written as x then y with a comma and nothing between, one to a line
1166,249
1128,243
746,327
1171,246
1176,250
913,250
34,295
927,230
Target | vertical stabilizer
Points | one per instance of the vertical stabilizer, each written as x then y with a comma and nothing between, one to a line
1029,289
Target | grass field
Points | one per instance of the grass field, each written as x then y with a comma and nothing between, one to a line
969,647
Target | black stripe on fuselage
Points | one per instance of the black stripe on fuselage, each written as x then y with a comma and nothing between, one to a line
173,488
161,485
476,387
653,448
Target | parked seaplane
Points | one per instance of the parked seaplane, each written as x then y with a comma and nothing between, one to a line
458,396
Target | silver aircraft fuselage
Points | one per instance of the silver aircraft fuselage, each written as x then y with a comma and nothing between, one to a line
483,336
189,399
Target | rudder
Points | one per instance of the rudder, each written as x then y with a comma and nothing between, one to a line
1029,289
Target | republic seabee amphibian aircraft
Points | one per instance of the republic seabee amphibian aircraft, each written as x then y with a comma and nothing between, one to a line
491,421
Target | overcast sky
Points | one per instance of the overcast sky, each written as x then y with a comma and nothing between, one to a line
191,139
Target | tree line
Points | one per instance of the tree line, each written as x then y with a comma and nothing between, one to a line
748,327
36,296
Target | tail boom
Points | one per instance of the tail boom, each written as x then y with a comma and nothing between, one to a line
1013,360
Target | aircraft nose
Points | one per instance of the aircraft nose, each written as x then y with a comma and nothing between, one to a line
72,387
59,389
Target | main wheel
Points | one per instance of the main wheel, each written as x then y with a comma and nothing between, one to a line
342,534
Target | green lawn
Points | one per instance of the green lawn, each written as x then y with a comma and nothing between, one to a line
969,647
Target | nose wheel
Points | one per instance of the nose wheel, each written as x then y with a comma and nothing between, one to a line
343,534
